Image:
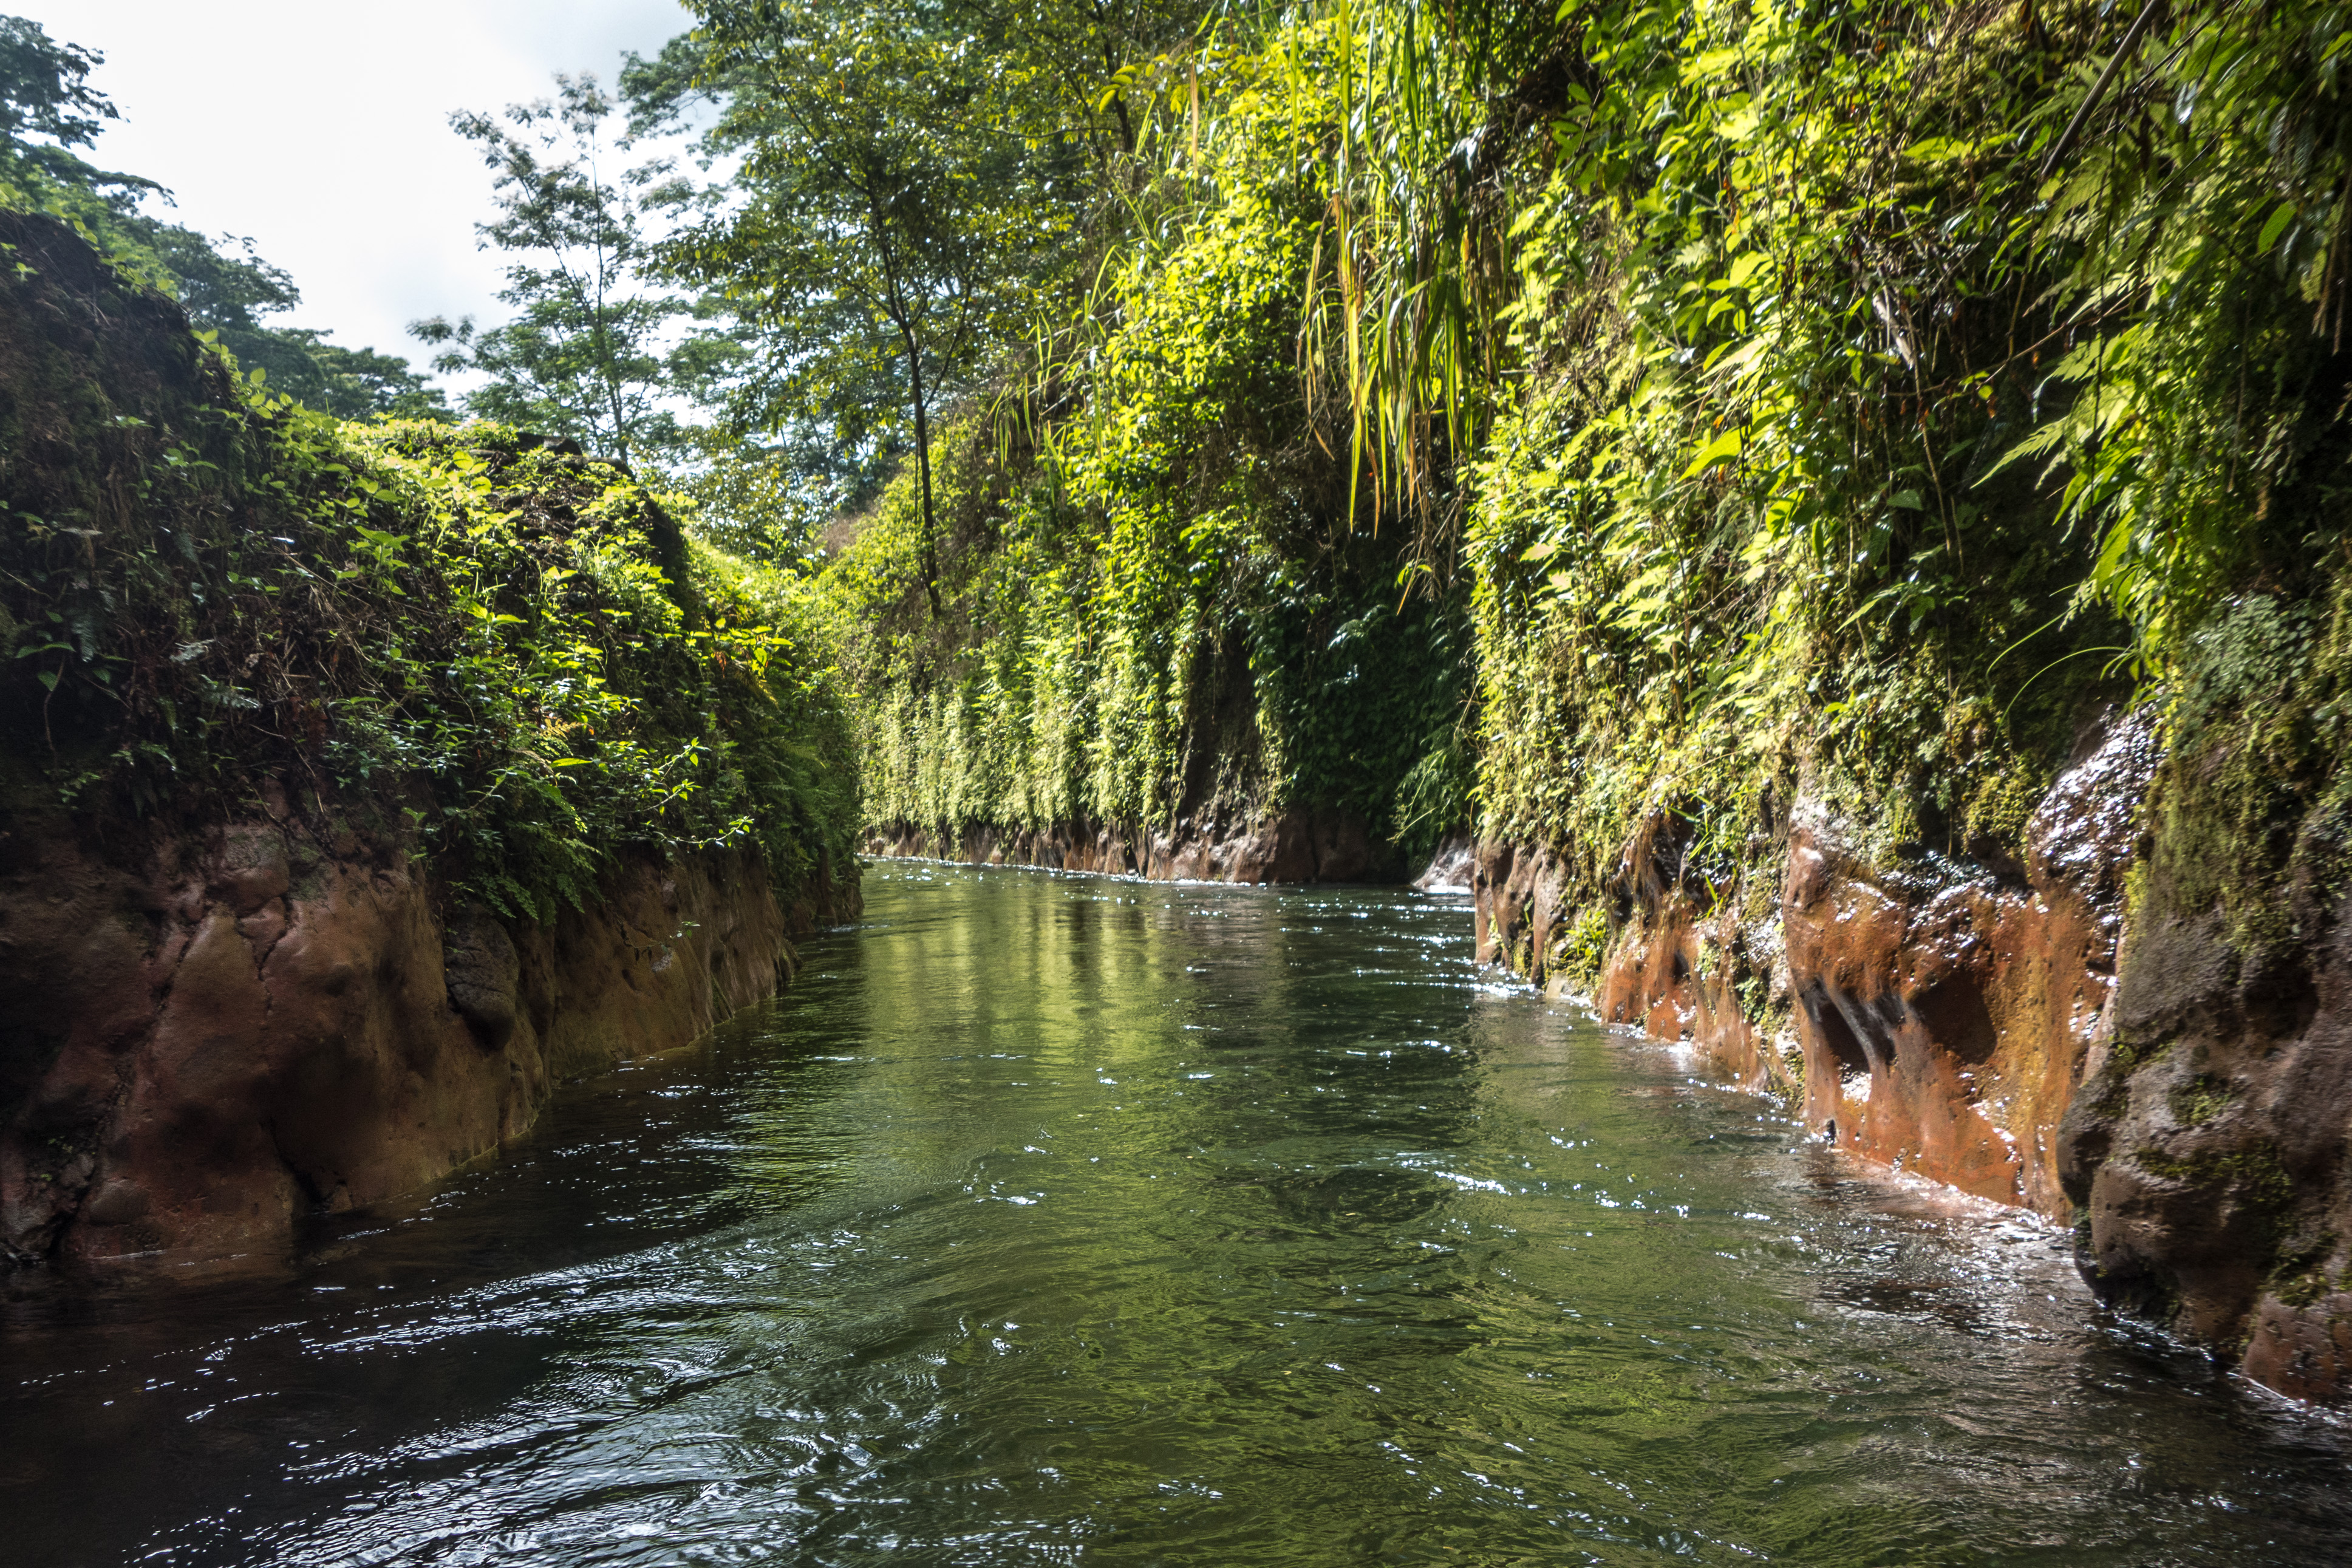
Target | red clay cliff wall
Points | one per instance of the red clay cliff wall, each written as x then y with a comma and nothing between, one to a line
196,1051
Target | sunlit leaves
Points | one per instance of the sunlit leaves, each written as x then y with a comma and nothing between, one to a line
589,356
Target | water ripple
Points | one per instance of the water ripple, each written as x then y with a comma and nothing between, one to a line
1053,1220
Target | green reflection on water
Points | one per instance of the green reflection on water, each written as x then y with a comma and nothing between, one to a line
1219,1225
1054,1220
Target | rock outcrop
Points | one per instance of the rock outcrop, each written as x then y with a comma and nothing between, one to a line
1294,846
2208,1149
1938,1015
202,1044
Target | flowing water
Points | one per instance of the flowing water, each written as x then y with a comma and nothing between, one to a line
1060,1220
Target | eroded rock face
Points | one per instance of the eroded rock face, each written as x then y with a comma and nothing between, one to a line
199,1049
482,971
2207,1151
1290,847
1452,865
1940,1015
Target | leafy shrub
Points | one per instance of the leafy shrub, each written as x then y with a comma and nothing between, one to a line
494,650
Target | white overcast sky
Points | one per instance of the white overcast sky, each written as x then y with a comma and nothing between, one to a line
321,128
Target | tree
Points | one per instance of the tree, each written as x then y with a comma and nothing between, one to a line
586,357
888,211
1085,60
351,384
45,88
46,109
226,289
771,501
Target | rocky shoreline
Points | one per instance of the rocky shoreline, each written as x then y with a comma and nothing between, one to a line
2000,1028
1937,1018
1988,1023
253,1026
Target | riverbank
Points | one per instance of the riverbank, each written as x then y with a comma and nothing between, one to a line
356,784
1986,1024
1289,846
1938,1015
253,1030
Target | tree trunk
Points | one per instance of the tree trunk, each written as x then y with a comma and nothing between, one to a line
923,471
901,318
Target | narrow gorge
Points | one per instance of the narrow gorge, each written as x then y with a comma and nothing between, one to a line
1917,680
1307,786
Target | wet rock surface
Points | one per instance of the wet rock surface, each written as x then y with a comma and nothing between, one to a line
1989,1023
482,970
2207,1151
202,1046
1935,1016
1453,865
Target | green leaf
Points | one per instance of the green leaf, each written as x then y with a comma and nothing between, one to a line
1737,127
1938,148
1730,444
2273,227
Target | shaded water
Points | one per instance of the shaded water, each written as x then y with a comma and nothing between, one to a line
1061,1220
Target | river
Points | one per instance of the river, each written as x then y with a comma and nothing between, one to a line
1064,1220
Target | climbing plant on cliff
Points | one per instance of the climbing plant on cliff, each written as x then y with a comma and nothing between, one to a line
2208,196
1786,304
1898,387
1159,611
2204,200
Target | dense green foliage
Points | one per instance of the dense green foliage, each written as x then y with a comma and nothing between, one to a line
1844,405
1891,398
1618,427
1741,533
485,647
1158,609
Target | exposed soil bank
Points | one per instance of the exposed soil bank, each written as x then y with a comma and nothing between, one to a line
1290,847
1937,1015
198,1047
